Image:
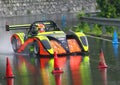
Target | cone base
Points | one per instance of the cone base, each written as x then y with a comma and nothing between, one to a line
12,76
103,66
115,42
57,71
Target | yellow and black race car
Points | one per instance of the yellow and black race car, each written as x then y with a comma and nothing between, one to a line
44,37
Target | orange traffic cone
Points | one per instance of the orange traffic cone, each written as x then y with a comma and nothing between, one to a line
9,73
102,63
56,66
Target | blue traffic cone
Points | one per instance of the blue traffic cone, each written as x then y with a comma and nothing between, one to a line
115,37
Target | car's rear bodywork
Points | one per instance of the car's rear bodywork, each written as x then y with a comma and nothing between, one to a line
47,42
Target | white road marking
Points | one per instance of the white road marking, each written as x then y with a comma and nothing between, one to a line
100,38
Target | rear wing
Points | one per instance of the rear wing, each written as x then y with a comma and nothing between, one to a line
47,23
17,27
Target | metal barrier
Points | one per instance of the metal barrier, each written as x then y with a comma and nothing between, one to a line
101,21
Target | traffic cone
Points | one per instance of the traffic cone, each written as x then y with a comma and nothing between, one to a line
57,69
9,73
115,37
102,63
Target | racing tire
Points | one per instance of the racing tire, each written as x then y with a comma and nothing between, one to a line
15,44
36,48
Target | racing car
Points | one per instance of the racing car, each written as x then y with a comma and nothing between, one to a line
45,38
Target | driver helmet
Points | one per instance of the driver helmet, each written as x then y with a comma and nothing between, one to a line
41,28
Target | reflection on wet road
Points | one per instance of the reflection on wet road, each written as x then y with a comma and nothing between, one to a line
37,71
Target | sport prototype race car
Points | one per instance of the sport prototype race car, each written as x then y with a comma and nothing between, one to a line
44,37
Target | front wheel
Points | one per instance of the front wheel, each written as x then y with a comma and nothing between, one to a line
36,48
15,44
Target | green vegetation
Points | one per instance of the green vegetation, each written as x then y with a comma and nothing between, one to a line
96,29
81,14
85,27
82,26
109,9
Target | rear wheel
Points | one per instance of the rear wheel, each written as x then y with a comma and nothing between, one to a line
15,44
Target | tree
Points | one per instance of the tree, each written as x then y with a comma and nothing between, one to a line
109,8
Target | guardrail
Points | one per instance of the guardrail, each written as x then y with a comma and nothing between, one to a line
101,21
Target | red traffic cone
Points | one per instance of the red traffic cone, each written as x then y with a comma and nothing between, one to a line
9,73
56,66
102,63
